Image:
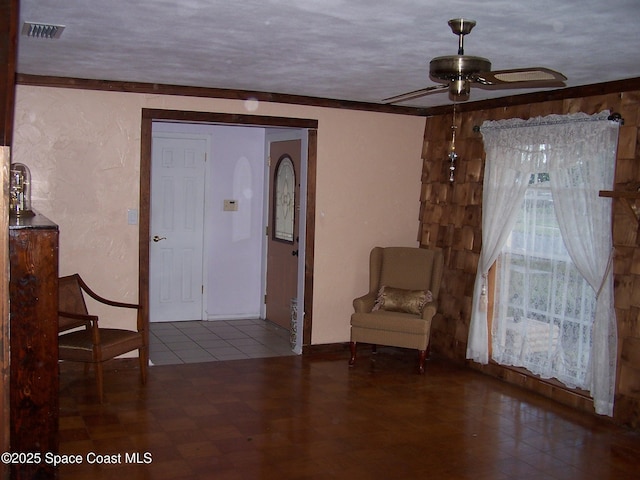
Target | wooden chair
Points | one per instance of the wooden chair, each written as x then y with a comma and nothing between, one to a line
93,344
404,284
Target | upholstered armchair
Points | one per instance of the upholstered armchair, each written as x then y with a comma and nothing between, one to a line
404,284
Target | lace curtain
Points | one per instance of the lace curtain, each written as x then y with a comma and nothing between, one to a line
543,308
578,151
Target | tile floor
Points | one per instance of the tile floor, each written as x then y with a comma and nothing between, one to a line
172,343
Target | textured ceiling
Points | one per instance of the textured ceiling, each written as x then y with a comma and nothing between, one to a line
360,50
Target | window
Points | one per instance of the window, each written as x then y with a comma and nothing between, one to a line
543,307
578,151
284,200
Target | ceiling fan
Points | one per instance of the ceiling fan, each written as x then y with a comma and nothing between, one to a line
457,73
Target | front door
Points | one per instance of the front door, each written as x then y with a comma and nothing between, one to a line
283,241
177,226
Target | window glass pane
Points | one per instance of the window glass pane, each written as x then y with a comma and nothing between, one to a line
543,308
285,200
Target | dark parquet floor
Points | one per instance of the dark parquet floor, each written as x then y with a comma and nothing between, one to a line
312,417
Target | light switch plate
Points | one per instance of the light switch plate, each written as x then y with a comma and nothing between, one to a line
132,216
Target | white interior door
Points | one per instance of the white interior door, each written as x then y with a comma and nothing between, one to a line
177,226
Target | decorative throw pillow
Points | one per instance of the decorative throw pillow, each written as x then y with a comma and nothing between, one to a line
401,300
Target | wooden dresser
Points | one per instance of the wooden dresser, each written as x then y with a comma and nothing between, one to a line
33,294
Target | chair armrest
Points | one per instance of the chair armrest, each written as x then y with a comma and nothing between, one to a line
365,303
112,303
429,310
79,316
106,301
93,320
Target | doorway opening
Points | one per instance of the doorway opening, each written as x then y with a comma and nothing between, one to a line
275,129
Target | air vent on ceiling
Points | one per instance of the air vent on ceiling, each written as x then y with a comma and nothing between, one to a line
42,30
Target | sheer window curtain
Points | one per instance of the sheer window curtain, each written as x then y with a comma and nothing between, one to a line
579,152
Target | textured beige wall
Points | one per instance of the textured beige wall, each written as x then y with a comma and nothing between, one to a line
83,149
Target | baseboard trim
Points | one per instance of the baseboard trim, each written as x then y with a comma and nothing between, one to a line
325,348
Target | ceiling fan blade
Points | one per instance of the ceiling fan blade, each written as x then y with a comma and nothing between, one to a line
415,94
520,78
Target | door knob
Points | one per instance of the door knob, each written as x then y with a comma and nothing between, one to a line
294,253
156,238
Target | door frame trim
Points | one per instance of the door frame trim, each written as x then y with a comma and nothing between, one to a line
148,116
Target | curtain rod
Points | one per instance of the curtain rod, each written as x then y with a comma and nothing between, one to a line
615,117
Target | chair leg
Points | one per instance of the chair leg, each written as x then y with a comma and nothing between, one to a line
144,364
352,347
100,380
422,355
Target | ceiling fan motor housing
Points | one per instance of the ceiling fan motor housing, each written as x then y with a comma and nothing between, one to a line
457,71
452,67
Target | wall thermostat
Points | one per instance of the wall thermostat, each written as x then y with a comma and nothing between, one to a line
230,206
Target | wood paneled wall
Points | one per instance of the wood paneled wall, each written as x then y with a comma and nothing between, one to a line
450,219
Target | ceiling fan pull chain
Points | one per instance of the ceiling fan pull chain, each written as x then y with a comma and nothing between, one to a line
453,156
